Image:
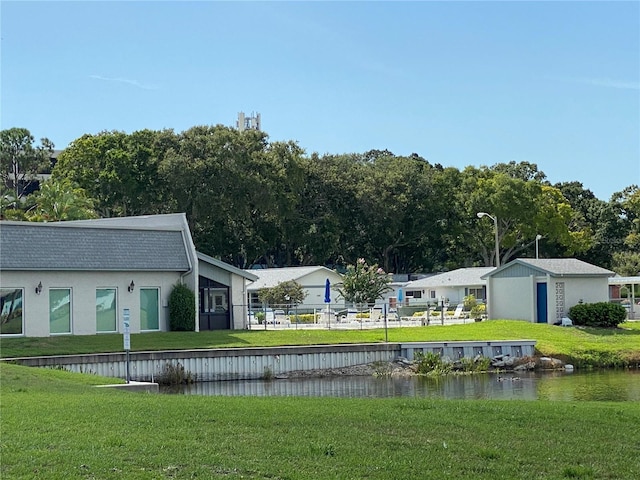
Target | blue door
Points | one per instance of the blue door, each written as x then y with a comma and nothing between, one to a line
541,301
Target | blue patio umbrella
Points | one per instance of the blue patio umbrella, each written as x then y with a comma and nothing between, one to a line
400,296
327,291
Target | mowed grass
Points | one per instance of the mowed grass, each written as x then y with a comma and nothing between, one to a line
583,346
54,425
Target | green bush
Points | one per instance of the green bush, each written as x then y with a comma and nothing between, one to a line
600,314
175,375
303,318
431,364
478,364
182,309
478,310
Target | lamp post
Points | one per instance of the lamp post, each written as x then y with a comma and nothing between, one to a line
538,237
495,224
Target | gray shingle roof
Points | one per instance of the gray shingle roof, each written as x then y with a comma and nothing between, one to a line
565,266
557,267
456,278
59,246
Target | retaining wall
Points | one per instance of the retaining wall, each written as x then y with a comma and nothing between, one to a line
253,363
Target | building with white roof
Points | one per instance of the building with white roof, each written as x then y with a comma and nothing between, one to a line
451,286
311,278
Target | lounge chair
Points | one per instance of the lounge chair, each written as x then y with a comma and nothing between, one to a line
458,314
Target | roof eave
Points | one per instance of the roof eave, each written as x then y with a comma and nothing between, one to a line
225,266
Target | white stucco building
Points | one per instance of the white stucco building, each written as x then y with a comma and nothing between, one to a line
453,286
79,277
543,290
311,278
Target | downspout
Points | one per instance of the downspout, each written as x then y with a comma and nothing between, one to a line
533,307
245,309
192,259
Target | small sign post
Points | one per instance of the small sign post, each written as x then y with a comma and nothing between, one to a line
386,327
127,336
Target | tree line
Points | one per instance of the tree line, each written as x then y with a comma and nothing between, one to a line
250,201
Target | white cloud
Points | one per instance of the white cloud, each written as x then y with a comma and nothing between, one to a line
135,83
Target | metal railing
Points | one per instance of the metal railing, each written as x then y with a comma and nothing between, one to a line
329,316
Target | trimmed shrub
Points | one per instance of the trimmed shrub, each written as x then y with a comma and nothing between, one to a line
600,314
303,318
182,309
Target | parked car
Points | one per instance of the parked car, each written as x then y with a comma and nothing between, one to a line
280,317
269,316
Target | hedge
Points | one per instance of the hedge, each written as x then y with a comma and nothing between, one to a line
600,314
182,309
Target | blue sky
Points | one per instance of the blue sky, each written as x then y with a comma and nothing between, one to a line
459,83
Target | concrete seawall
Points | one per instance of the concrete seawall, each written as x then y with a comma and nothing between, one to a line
259,362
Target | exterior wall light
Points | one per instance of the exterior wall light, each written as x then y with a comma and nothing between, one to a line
131,286
39,288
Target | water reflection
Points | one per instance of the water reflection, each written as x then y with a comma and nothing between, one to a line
591,386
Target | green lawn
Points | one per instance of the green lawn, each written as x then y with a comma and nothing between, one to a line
582,346
54,425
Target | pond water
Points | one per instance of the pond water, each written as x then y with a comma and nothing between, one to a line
618,386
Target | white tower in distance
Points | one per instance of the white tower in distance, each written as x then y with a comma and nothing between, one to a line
248,123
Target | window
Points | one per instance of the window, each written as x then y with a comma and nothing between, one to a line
213,300
415,294
477,352
254,301
149,309
478,293
60,310
432,293
106,310
11,311
458,352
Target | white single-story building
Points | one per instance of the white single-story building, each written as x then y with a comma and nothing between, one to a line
82,277
451,286
312,279
543,290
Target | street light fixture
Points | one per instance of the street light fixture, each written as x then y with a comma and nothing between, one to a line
538,237
495,224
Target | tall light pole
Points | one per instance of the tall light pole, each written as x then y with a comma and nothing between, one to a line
495,225
538,237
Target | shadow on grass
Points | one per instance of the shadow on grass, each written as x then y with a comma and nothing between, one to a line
607,332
